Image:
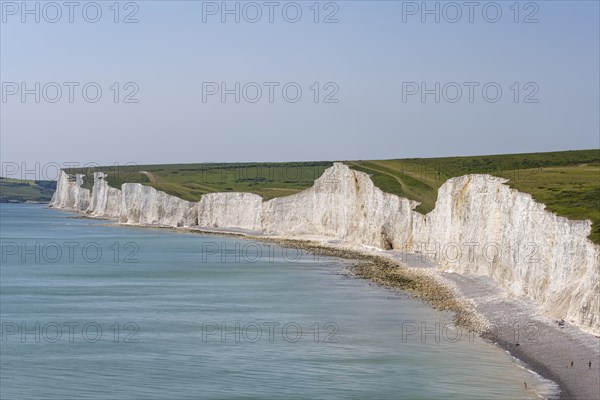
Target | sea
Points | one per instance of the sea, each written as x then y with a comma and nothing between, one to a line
93,310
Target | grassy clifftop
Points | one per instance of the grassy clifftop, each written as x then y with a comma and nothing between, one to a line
568,182
191,181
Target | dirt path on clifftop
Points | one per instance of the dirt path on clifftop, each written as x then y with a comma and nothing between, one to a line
150,176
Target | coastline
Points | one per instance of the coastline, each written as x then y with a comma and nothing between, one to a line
479,305
515,325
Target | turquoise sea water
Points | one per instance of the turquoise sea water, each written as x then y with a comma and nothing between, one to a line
93,311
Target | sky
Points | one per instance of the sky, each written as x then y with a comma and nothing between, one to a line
149,82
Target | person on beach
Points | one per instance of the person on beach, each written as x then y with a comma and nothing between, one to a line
589,365
571,363
525,383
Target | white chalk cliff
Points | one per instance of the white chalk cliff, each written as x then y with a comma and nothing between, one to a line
144,205
231,210
69,194
134,204
106,200
479,226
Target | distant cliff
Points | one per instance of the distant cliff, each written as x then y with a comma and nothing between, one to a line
479,226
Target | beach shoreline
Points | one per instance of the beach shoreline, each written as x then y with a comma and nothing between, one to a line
515,325
543,347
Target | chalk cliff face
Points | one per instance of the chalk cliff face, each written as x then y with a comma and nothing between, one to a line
479,226
69,194
231,210
482,226
144,205
346,205
106,200
134,204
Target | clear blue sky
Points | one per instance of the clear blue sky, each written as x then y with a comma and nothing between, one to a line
369,55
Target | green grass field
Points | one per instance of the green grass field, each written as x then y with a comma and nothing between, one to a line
191,181
19,191
568,182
